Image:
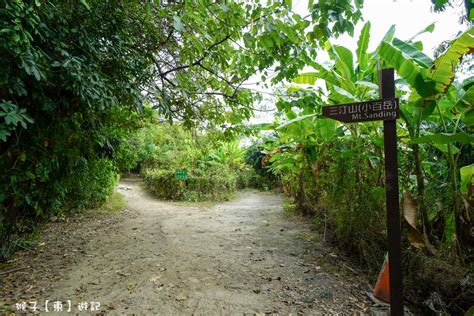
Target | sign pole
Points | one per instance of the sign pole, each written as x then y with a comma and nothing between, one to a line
387,90
387,110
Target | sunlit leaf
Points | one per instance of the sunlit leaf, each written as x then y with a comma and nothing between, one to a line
468,118
306,78
326,128
467,177
389,35
444,148
466,100
344,96
444,66
445,138
178,24
429,29
416,55
344,65
362,45
295,120
84,3
406,68
367,84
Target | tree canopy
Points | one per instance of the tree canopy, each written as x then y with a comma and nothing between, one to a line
76,74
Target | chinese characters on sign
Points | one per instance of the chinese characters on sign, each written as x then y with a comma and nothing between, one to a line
58,306
378,110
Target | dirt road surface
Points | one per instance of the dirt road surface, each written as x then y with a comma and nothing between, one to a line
243,257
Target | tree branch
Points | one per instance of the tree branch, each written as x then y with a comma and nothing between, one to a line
195,63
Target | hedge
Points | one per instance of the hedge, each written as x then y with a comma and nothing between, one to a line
199,185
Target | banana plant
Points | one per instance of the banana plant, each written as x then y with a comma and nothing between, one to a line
437,111
347,78
435,97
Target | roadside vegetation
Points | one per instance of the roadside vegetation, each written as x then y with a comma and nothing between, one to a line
335,172
192,165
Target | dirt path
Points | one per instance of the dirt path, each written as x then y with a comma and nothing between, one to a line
238,257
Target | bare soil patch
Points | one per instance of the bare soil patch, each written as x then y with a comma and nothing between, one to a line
169,258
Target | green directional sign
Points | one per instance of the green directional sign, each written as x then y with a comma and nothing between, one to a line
182,175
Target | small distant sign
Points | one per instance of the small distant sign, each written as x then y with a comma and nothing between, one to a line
377,110
182,175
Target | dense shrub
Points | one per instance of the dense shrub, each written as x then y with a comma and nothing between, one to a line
90,185
262,178
215,166
68,100
343,192
254,157
199,185
334,171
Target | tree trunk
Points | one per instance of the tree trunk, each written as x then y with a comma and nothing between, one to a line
420,183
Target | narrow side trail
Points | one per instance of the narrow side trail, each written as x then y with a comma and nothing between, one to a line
168,258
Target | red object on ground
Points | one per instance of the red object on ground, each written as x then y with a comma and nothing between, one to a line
382,287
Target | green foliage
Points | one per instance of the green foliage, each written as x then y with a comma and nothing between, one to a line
215,167
220,45
79,78
255,157
467,178
91,184
428,101
64,84
333,17
115,202
334,171
199,186
74,74
467,15
262,177
348,189
12,117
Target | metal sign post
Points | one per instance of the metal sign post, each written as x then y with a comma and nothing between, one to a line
388,110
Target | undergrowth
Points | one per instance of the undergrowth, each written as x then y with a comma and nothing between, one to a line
115,203
212,167
345,198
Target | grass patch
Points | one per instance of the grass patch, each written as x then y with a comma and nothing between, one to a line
114,203
289,208
7,308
